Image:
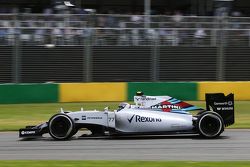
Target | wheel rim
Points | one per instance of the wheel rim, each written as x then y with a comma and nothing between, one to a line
60,126
210,125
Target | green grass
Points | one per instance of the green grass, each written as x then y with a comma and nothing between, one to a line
122,163
15,116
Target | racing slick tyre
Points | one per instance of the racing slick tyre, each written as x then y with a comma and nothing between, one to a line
61,127
210,124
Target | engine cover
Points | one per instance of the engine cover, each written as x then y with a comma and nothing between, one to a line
139,120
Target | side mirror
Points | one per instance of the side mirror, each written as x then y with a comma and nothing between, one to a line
106,109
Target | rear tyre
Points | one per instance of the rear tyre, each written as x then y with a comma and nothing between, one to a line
61,127
210,124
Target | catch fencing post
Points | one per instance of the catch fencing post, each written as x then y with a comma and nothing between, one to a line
155,61
88,59
220,62
16,60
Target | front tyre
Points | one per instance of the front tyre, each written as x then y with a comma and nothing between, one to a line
61,127
210,124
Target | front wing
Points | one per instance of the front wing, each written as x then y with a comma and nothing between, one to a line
33,131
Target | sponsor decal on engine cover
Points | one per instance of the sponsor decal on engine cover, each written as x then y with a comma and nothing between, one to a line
138,118
145,98
165,106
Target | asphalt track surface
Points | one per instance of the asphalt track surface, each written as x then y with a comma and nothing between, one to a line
232,145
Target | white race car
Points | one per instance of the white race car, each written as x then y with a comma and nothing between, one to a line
149,115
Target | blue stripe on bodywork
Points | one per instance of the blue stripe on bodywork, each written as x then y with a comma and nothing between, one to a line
175,102
179,111
191,108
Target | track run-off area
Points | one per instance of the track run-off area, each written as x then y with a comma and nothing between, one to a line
234,144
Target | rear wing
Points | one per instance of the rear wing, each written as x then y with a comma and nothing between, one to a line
221,104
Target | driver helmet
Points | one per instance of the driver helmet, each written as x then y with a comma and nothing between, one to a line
139,93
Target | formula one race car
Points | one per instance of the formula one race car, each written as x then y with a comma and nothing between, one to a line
149,115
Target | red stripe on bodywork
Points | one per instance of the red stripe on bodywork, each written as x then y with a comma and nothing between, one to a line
180,104
183,104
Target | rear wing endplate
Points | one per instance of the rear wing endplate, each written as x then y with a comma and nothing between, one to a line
221,104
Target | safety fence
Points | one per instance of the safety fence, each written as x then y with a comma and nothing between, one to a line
38,48
39,64
121,91
120,20
171,36
132,30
